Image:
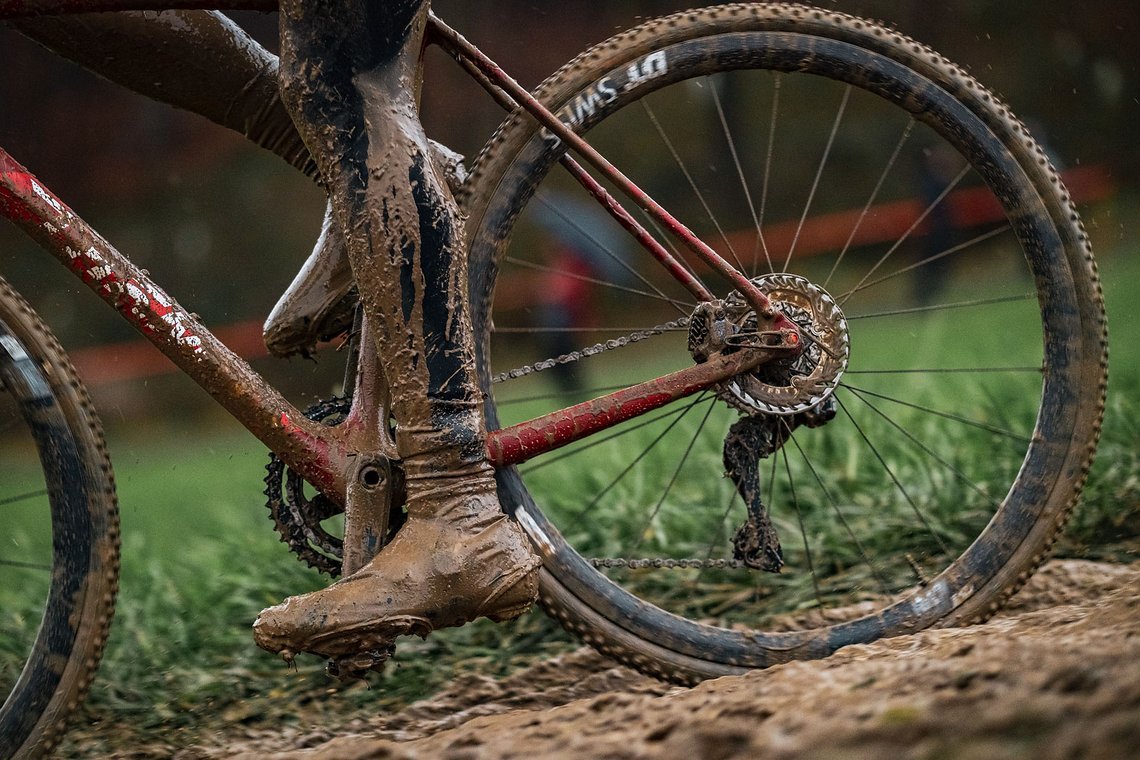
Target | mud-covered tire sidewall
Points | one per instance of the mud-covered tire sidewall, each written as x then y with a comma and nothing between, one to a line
85,527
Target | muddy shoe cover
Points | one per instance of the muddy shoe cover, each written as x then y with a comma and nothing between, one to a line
464,560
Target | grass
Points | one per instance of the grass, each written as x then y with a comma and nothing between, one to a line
1107,523
200,560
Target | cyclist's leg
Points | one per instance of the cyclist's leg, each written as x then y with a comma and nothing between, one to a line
205,63
349,69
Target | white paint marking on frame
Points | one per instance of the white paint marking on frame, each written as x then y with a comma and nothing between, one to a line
46,197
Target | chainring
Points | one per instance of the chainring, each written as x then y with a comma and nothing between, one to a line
296,516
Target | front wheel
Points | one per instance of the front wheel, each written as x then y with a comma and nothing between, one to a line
59,553
834,162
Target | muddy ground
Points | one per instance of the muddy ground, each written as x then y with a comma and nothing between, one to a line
1056,675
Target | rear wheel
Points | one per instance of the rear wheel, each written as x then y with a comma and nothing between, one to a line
882,177
59,555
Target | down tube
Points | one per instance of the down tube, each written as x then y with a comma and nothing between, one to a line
305,446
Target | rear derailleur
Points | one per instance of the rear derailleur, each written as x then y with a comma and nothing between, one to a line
775,398
750,439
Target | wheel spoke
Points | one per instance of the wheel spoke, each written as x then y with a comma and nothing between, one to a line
577,227
870,201
645,452
945,415
649,243
605,439
819,173
942,370
23,497
719,533
681,306
552,330
672,480
558,396
692,183
921,218
25,565
739,170
916,265
803,528
842,519
768,164
944,306
962,477
894,479
659,234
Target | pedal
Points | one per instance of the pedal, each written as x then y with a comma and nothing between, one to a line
357,666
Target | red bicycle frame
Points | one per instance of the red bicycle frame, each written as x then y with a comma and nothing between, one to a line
329,457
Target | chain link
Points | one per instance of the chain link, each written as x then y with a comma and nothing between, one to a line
659,562
594,350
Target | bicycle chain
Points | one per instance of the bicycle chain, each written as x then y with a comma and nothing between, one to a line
661,563
288,513
594,350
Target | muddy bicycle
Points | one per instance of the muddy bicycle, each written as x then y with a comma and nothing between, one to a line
813,401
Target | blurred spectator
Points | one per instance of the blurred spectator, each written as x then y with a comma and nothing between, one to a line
583,247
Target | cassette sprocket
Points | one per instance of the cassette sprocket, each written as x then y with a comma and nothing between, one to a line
781,386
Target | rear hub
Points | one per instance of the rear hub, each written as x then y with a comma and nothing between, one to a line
789,384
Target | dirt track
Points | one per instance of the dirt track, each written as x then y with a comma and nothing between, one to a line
1056,675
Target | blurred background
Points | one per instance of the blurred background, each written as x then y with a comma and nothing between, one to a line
224,226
